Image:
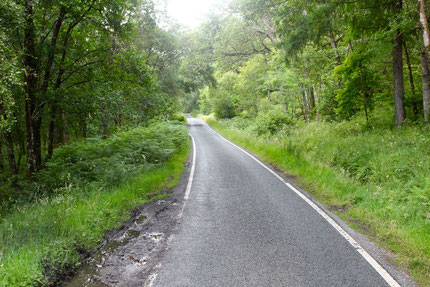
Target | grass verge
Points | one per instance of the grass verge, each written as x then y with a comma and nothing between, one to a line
43,240
395,218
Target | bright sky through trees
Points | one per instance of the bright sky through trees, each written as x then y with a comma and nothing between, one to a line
190,12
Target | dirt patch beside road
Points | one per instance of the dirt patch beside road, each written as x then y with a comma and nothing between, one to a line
131,253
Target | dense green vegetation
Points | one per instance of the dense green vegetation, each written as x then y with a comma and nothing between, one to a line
335,92
315,60
73,69
92,186
89,95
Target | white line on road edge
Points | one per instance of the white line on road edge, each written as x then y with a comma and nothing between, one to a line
193,167
151,279
387,277
191,177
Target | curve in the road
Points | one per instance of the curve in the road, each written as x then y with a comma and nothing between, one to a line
240,227
384,274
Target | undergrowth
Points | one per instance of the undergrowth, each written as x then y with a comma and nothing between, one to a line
378,175
88,188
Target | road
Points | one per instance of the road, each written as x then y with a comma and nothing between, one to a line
242,226
233,221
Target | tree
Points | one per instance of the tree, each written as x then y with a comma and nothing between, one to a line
360,84
424,55
85,69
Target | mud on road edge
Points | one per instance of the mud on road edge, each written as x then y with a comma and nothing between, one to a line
128,255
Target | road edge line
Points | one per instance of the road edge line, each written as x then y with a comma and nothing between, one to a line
193,168
153,276
378,268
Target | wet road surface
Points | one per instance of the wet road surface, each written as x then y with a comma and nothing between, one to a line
233,221
242,226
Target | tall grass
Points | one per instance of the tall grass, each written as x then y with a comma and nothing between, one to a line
380,177
90,187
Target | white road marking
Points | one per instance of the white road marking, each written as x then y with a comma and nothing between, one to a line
384,274
151,279
190,178
193,167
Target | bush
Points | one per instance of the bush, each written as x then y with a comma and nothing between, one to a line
240,123
224,108
110,161
179,118
272,122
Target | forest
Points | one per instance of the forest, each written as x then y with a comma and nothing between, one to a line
316,60
93,95
335,93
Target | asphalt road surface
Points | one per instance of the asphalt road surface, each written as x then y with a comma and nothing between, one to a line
242,226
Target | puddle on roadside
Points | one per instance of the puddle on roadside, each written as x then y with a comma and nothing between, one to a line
124,240
85,278
156,236
141,219
132,234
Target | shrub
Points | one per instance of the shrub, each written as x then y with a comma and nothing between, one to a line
272,122
179,117
110,161
224,108
240,123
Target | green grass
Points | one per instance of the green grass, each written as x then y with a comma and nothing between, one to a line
379,176
42,240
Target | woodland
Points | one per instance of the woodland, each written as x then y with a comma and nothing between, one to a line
93,95
335,93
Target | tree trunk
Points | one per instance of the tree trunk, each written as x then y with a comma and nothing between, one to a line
425,26
365,107
311,98
21,144
30,81
44,89
84,129
10,153
58,83
37,141
399,90
305,104
51,131
425,76
51,51
411,80
319,101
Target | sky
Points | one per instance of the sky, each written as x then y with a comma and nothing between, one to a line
190,12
